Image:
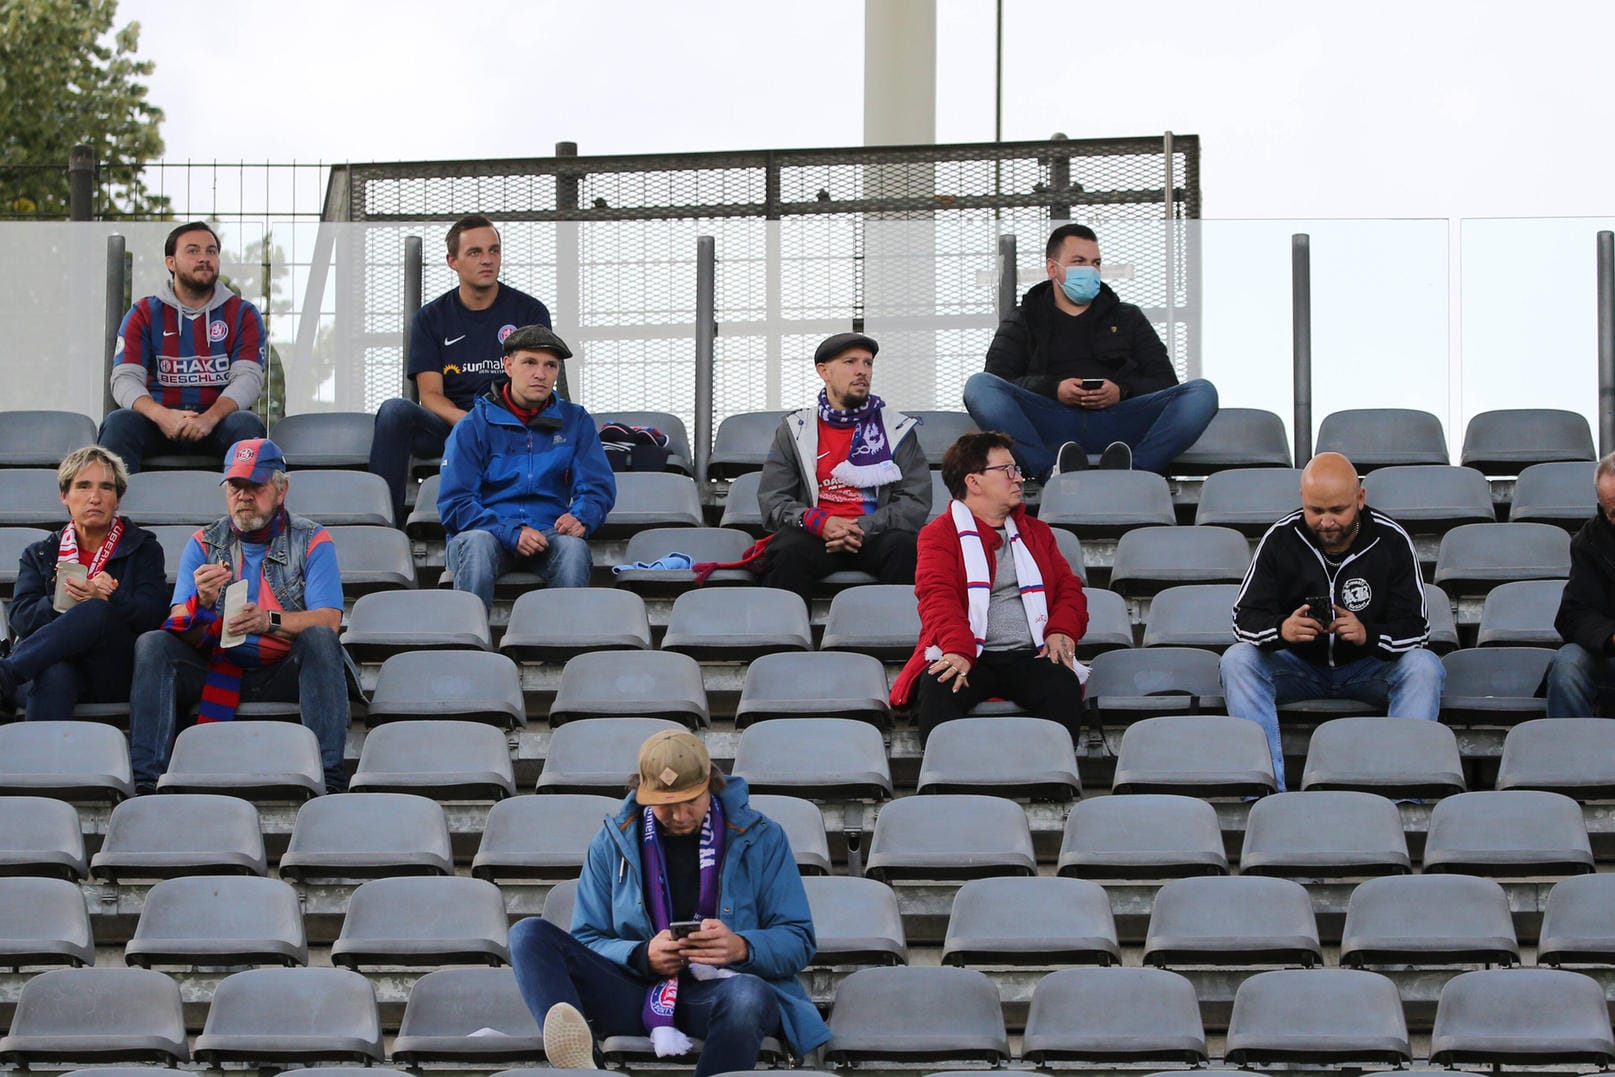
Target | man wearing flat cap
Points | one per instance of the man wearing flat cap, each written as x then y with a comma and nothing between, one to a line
524,477
845,486
690,920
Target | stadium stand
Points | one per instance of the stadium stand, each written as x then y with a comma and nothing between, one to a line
326,439
1114,1015
44,922
534,837
424,920
342,498
1143,836
29,498
446,760
253,760
39,439
1508,442
1037,921
1428,919
472,686
40,836
367,835
97,1015
1383,437
219,920
1236,438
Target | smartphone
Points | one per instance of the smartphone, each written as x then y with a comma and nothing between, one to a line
1321,608
1093,383
683,929
61,602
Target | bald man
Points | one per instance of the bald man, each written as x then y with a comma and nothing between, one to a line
1332,608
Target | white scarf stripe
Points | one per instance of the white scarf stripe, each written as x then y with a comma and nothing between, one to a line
977,570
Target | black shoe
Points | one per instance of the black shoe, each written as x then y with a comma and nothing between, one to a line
1071,457
145,789
1118,456
8,691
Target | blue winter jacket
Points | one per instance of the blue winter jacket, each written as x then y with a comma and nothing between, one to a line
760,898
499,475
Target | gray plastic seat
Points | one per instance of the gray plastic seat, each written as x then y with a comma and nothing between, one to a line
469,686
13,541
701,544
1443,638
387,622
1011,757
1428,499
878,619
916,1015
534,837
741,443
367,835
44,922
559,901
162,837
326,439
678,440
952,836
1114,1015
1428,920
64,759
652,684
1236,438
1110,626
1521,614
1573,756
1474,558
1394,757
803,824
219,920
1521,1017
855,921
596,755
291,1015
1327,835
1503,833
172,497
553,625
1317,1017
1560,494
1144,836
825,683
1495,685
1383,437
1195,755
338,498
424,521
1503,442
741,508
1232,920
445,760
647,499
1149,559
1099,503
1193,615
630,1052
818,758
444,1009
373,558
97,1015
41,438
938,430
737,624
423,920
173,538
1578,926
1249,499
1036,921
255,760
40,836
1154,681
1070,547
29,497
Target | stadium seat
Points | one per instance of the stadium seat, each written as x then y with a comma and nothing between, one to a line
29,497
423,920
817,758
1195,756
596,755
219,920
1573,756
1560,494
559,901
1474,558
96,1015
1114,1015
326,439
1154,681
367,835
1522,1017
40,439
1428,920
1494,685
916,1015
1578,926
1070,547
388,622
1521,614
372,559
342,499
44,922
1315,1017
877,619
741,443
1106,503
628,1053
255,760
803,824
447,1006
1144,836
1236,438
445,760
1503,442
955,836
1383,437
67,760
424,522
171,497
1394,757
173,538
161,837
268,1016
701,544
1110,627
1232,920
1008,757
741,509
1508,833
652,684
13,541
469,686
855,921
1193,615
1324,835
1249,500
1036,921
40,836
679,456
821,683
1429,499
938,430
649,499
1443,637
1149,559
732,624
552,626
534,837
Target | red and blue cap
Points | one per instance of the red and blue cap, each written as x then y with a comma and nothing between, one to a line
254,460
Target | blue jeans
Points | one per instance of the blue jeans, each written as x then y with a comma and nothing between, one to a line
1255,682
1576,678
1158,425
404,429
478,559
134,437
732,1015
86,653
169,674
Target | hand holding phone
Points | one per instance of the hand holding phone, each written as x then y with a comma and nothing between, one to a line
683,929
1092,384
1321,608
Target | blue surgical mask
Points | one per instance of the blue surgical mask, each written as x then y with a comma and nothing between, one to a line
1081,283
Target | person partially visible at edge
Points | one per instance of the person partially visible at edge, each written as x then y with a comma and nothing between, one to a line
1582,673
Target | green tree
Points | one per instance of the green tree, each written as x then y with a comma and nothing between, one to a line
67,77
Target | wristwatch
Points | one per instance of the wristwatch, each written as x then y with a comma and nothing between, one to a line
274,620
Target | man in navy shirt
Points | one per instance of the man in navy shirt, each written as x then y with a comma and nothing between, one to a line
455,352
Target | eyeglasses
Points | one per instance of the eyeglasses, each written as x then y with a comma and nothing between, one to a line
1011,471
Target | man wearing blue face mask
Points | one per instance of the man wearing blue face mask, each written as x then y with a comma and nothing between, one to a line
1073,368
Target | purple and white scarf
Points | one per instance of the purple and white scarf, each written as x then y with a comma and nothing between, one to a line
869,460
663,996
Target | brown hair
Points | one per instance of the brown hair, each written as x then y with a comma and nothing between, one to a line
465,224
968,456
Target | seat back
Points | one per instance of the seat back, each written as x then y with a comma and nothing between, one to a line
737,623
159,837
1503,442
97,1015
1193,615
1508,832
291,1015
1430,498
656,684
1195,755
447,1006
339,497
1563,494
44,921
1114,1015
877,619
1531,1017
1428,919
540,836
1106,502
339,439
1035,921
1236,438
1521,613
1395,757
386,622
29,497
741,443
446,759
40,836
1344,833
1013,757
42,438
257,760
1150,558
423,920
1144,836
1474,558
172,497
803,824
553,625
825,683
1573,756
1317,1016
1232,919
916,1014
855,921
66,759
954,836
349,835
596,755
219,920
1382,437
372,558
472,686
815,757
1248,499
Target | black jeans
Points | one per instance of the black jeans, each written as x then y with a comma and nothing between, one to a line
794,560
87,653
1041,688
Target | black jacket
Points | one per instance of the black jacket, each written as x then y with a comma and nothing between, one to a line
1125,347
1378,580
137,564
1587,610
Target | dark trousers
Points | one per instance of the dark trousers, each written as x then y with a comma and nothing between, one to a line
87,653
134,437
1041,688
795,560
731,1015
404,429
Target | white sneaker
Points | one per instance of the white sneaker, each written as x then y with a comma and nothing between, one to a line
568,1043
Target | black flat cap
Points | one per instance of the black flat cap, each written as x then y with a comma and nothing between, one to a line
536,338
834,346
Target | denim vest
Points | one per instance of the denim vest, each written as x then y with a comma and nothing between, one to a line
283,561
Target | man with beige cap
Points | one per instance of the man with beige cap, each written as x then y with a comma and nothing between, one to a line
690,920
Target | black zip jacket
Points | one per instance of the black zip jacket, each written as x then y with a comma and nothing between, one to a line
137,564
1125,348
1587,610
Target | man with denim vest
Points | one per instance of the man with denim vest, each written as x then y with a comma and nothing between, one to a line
288,649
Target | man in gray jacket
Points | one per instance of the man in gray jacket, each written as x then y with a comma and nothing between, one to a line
845,485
